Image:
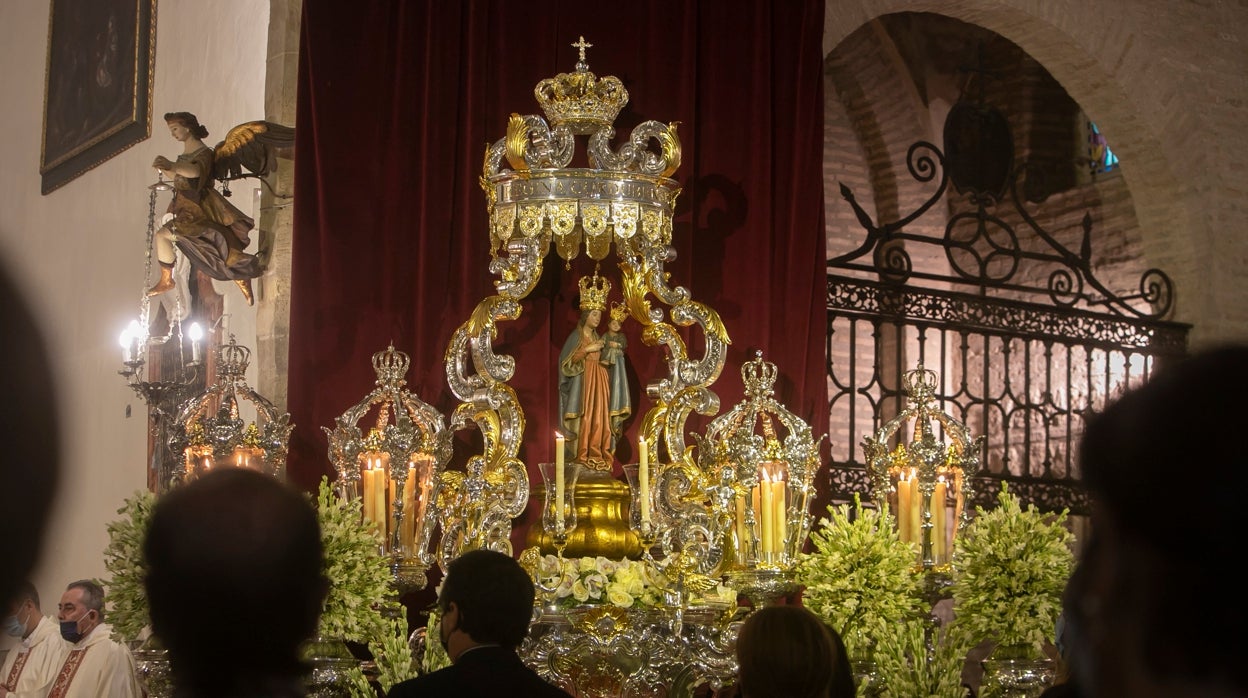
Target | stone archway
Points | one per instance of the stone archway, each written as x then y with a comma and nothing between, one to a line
1092,58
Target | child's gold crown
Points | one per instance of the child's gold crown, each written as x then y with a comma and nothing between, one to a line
619,312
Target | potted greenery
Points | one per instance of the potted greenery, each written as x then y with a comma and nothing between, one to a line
860,578
359,587
1010,568
127,597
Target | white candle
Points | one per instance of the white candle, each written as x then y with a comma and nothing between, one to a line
939,547
743,545
903,508
381,483
779,513
124,340
916,503
643,479
559,442
408,536
195,333
366,478
768,512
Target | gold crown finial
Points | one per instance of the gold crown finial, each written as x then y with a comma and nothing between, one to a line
579,99
619,311
594,292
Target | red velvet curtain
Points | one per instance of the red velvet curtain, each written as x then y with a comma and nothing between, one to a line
397,104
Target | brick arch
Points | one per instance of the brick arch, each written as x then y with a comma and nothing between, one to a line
872,98
1059,42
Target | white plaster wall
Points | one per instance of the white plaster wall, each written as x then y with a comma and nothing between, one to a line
78,252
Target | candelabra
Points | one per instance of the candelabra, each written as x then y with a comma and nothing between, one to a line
396,469
210,432
166,391
762,482
921,480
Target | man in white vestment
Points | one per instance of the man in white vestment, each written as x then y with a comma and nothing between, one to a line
30,667
96,665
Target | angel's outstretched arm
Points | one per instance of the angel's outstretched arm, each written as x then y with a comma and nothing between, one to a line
187,168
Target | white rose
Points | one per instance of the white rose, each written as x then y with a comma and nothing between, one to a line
618,596
579,592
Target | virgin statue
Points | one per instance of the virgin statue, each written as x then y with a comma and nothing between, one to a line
592,406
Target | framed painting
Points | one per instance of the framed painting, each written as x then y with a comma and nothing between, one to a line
98,98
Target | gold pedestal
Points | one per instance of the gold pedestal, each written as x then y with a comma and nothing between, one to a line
602,505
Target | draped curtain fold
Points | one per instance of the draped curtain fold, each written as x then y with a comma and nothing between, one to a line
397,102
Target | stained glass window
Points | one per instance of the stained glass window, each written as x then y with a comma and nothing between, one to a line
1101,158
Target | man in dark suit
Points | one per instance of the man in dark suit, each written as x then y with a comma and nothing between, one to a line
486,603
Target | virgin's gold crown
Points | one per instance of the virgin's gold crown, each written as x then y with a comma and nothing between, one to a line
579,99
594,292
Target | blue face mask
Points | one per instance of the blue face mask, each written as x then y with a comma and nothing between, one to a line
14,627
70,631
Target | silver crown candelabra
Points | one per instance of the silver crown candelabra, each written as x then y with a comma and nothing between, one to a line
395,469
210,431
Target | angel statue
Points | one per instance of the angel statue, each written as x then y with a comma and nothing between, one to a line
210,231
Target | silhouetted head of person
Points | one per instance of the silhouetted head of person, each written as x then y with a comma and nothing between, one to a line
30,463
1153,602
235,580
789,652
488,596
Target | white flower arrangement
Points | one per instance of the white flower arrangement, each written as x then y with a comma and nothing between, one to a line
393,657
905,669
1010,568
359,577
621,583
123,558
434,657
860,576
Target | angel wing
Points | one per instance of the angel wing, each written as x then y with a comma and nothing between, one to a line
253,146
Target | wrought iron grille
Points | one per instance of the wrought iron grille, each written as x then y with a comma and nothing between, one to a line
1036,346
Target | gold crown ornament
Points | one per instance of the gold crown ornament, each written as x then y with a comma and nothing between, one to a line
618,312
594,292
580,99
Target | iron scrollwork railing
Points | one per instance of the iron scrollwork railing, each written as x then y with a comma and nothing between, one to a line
1027,339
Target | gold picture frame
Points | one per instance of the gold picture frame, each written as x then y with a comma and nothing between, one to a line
98,91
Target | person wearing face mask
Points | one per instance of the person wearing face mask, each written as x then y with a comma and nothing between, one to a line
96,664
29,668
486,604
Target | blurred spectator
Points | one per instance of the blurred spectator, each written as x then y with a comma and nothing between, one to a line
235,584
28,428
789,652
1152,608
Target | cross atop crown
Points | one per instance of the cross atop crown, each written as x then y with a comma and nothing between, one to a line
581,45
